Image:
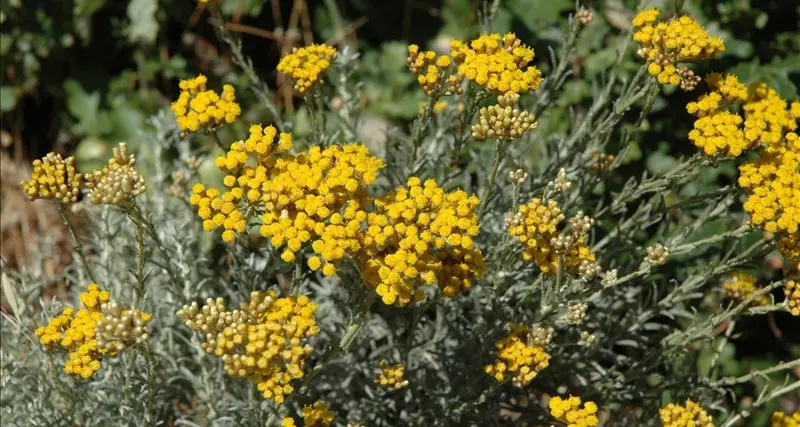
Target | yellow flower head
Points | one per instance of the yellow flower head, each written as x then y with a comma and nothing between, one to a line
536,225
262,341
77,332
665,45
53,178
779,419
318,198
433,72
317,415
741,286
792,291
307,65
391,377
420,234
570,412
515,356
691,415
198,107
499,64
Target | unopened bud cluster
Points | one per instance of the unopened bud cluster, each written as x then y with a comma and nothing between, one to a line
689,80
178,186
601,162
261,341
576,313
53,178
585,16
540,336
561,183
391,377
588,270
587,339
118,183
657,254
120,329
503,121
517,177
611,277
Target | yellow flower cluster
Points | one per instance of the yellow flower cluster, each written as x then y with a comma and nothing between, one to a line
667,44
570,412
119,182
420,234
741,286
53,178
768,118
198,107
307,65
499,64
392,377
261,341
792,291
773,185
313,416
772,181
779,419
516,356
77,333
319,197
536,225
718,131
431,71
692,415
245,165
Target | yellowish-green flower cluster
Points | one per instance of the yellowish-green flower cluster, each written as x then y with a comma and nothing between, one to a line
313,416
718,131
261,341
741,286
420,234
319,197
536,225
503,120
119,182
307,65
691,415
792,291
665,45
779,419
391,377
516,356
198,107
77,333
434,73
570,412
499,64
53,178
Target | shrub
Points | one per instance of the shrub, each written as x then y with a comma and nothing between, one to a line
475,269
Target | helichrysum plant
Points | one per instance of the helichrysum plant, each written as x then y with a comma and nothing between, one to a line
485,267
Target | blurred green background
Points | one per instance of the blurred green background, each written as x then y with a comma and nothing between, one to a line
81,75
